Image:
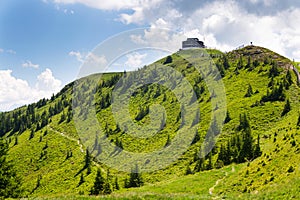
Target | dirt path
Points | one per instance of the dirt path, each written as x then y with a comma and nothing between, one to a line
296,72
68,137
211,190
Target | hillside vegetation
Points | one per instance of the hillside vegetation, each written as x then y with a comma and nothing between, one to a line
256,155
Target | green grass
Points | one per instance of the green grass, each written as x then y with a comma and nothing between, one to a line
60,176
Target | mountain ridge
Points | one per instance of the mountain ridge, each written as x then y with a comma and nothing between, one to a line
42,151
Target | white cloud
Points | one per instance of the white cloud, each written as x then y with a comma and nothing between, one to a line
78,56
67,11
225,24
89,58
29,64
164,39
106,5
16,92
11,51
47,82
135,60
265,2
92,59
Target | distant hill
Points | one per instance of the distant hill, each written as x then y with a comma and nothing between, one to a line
255,157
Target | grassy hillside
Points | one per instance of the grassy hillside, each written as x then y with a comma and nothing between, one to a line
49,154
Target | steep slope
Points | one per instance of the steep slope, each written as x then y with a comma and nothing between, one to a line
50,155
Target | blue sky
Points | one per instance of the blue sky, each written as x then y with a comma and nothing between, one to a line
43,43
45,33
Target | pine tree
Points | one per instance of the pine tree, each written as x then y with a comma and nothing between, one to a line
88,161
209,165
249,63
9,181
82,180
274,71
249,91
168,60
225,62
240,64
62,117
199,165
222,153
107,188
287,108
168,142
135,179
257,150
244,122
228,154
289,77
298,122
228,118
247,146
16,141
188,170
117,187
98,184
31,134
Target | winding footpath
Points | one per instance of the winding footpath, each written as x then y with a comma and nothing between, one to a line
292,67
211,190
68,137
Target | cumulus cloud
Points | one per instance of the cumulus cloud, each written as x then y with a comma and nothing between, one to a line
16,92
224,24
47,82
135,60
29,64
10,51
89,58
164,39
104,5
78,56
228,24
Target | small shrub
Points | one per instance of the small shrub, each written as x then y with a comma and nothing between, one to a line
293,143
291,169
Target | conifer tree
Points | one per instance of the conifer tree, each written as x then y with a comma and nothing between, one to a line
298,122
249,92
62,117
257,150
88,161
98,184
117,186
247,146
9,181
287,108
228,153
225,62
274,71
188,170
168,142
249,63
82,180
107,188
16,141
199,165
240,64
31,134
209,164
228,118
135,179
